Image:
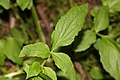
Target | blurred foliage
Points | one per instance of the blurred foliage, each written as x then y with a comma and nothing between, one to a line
17,29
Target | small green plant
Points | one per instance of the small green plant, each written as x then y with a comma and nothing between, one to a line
65,31
69,31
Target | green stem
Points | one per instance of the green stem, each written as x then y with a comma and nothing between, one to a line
43,62
37,24
100,35
13,74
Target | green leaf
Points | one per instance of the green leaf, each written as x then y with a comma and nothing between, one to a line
68,26
5,3
110,56
39,49
101,20
50,73
96,73
12,50
89,37
37,78
25,4
33,70
64,62
2,56
17,36
113,5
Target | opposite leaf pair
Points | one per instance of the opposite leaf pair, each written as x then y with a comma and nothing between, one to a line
65,31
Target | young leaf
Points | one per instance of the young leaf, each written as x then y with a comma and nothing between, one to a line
33,70
101,20
25,4
5,3
64,62
39,49
68,26
12,50
89,37
50,73
2,57
110,56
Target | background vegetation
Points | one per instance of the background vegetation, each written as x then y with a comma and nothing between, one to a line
23,23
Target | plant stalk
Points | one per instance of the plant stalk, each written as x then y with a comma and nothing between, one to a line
37,24
13,74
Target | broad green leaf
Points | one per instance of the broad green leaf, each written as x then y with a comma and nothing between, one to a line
110,56
12,50
17,36
49,72
5,3
89,37
113,5
37,78
39,49
2,56
96,73
64,62
25,4
33,70
101,20
68,26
